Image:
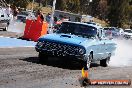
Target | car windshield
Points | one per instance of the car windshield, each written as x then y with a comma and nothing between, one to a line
78,29
24,13
129,31
106,28
21,19
113,29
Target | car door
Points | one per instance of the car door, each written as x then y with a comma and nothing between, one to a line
98,47
102,44
106,46
95,47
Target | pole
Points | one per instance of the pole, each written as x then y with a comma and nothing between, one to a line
52,18
32,5
9,9
90,0
89,3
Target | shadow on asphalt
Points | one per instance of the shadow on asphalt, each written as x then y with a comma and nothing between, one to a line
22,38
60,63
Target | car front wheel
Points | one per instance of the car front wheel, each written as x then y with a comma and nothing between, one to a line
86,64
89,61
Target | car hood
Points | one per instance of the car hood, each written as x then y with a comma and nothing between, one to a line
126,33
67,38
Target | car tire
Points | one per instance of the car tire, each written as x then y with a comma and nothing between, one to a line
105,62
5,29
89,61
42,57
87,64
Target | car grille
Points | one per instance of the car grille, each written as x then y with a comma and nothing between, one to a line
127,36
60,49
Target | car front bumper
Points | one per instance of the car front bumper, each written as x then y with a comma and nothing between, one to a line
4,24
54,53
128,36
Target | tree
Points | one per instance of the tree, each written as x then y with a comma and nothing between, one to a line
84,6
118,12
73,5
102,9
94,8
19,3
45,2
60,4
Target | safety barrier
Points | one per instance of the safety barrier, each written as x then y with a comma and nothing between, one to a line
35,29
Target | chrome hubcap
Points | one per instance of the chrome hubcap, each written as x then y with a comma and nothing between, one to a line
89,61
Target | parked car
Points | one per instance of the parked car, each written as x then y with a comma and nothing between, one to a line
4,19
113,31
128,34
23,15
121,31
81,41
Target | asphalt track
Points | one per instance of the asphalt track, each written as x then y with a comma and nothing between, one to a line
19,68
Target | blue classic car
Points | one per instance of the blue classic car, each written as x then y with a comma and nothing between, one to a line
81,41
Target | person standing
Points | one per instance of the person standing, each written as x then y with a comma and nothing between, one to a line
15,12
40,16
48,17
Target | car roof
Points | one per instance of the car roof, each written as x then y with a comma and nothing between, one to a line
22,15
83,24
127,29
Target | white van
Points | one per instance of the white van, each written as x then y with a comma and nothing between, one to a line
4,19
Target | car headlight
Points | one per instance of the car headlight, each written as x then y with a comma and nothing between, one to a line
81,51
40,44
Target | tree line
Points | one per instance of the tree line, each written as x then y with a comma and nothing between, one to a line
115,12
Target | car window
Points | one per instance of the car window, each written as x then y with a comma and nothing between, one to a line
114,29
21,19
66,28
86,30
23,13
129,31
111,29
117,30
78,29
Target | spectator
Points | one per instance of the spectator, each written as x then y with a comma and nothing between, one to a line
15,12
48,17
55,19
40,15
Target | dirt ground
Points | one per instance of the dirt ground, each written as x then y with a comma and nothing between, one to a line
19,68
